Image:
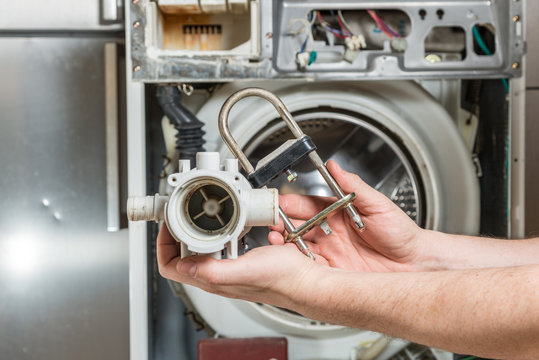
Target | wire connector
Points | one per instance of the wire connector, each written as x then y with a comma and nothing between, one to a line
306,58
355,42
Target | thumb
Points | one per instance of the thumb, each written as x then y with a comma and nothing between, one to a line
204,270
367,199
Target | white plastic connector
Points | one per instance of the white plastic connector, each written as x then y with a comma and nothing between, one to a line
399,44
355,42
350,55
148,208
184,165
302,59
262,207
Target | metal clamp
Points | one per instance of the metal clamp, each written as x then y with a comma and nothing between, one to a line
319,219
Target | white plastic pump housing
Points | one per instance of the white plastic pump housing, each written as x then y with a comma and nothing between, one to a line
210,207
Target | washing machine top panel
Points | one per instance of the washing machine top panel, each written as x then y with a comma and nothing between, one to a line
174,41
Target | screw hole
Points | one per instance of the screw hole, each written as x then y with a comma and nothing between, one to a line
440,14
422,14
237,178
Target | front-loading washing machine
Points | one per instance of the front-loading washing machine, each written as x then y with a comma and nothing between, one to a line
415,134
393,134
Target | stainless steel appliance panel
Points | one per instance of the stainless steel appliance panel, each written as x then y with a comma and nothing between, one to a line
63,277
60,15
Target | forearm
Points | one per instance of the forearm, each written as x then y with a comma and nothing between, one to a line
490,312
441,251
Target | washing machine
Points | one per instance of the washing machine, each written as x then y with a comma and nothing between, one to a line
426,117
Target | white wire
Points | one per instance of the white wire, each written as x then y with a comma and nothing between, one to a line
345,23
306,27
314,14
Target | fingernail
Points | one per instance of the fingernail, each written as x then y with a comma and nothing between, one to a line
188,268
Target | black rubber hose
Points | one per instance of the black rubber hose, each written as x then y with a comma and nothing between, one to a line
190,136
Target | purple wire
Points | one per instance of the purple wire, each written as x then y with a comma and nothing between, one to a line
334,31
384,24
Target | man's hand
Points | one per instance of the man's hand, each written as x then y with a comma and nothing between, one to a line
389,241
281,275
275,275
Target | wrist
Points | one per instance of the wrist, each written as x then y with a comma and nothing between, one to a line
310,283
429,251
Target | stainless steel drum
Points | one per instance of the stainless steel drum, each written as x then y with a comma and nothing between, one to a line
357,144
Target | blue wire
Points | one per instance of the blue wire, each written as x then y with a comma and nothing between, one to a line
303,45
487,52
302,49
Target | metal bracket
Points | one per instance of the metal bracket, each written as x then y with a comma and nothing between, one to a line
313,156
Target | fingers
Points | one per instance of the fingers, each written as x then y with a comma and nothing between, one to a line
209,273
303,207
196,270
367,198
167,246
276,238
315,249
280,226
312,234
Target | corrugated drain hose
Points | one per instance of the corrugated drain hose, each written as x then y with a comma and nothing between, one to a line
189,139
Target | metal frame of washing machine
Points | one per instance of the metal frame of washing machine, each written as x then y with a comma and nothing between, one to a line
145,64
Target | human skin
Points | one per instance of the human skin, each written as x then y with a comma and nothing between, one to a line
460,293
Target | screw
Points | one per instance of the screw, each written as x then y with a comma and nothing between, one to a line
291,176
433,58
136,68
516,18
136,24
515,65
269,35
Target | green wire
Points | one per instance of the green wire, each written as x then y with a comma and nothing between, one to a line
487,52
480,41
469,358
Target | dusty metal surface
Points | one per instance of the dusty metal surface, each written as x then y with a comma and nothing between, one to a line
276,56
57,15
64,292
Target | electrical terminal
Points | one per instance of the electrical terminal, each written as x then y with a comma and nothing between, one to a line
306,58
355,42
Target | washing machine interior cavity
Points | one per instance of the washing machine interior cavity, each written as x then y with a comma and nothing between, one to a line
358,144
432,132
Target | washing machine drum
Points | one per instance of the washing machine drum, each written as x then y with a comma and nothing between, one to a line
393,134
